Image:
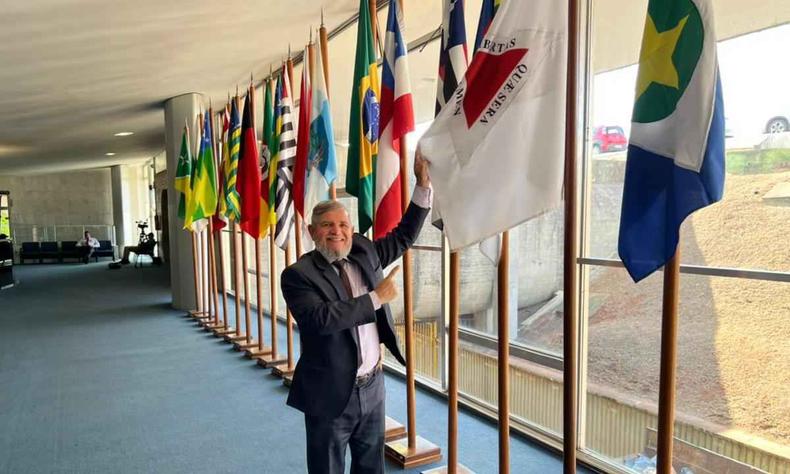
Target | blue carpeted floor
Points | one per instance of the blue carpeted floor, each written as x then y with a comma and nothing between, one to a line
98,374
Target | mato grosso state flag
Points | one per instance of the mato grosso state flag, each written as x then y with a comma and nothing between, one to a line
363,125
675,161
204,182
496,149
184,175
397,120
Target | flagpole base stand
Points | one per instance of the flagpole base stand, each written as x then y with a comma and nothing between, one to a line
235,337
222,332
211,325
197,314
288,380
202,318
393,430
256,351
270,360
423,452
244,345
459,468
283,371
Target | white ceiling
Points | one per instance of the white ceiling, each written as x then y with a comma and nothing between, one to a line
75,72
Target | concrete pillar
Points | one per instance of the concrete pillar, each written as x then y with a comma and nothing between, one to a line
178,111
120,214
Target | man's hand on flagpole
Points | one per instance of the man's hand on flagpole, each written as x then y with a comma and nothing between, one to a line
421,169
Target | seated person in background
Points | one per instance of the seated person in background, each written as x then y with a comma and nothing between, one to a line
145,247
87,245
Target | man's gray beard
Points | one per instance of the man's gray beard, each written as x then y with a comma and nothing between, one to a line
332,256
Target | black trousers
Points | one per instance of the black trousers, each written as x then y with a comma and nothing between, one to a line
360,427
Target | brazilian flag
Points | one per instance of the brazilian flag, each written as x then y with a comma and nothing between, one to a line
363,139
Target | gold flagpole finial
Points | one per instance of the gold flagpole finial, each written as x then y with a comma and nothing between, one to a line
322,17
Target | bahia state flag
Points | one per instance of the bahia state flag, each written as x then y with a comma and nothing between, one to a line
397,120
675,161
452,54
496,148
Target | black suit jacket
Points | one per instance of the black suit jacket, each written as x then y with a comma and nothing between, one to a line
327,317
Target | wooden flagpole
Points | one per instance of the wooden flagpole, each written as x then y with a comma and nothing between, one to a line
237,268
198,299
261,349
570,309
287,368
248,342
225,328
274,358
213,273
323,43
238,335
416,451
503,369
271,360
204,277
669,339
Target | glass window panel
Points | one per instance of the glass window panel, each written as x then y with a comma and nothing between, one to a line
727,402
733,364
755,200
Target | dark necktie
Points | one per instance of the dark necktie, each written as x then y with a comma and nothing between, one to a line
341,268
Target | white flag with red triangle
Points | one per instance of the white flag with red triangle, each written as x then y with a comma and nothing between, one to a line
496,148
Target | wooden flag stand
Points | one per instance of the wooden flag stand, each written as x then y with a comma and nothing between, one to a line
237,335
226,328
248,342
503,359
570,314
411,450
669,340
271,360
198,311
205,315
453,467
216,322
261,349
286,370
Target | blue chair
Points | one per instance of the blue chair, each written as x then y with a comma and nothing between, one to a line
49,250
30,250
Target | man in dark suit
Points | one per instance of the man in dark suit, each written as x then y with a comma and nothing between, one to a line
339,297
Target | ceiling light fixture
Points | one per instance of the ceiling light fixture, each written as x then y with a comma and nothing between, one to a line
124,134
110,154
